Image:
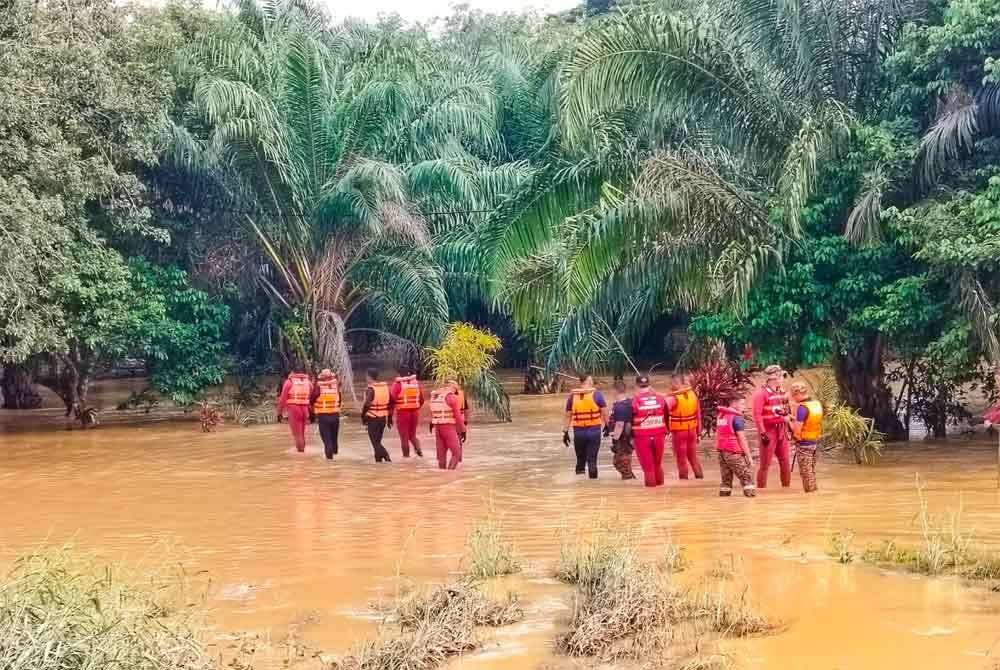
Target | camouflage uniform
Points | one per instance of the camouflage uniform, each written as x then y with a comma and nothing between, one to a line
806,457
622,450
735,464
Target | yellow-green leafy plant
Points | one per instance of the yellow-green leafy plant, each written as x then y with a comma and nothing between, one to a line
467,354
844,427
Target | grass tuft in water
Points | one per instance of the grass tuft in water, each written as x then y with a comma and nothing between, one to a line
840,546
59,612
489,552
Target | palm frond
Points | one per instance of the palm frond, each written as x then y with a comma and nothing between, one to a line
864,223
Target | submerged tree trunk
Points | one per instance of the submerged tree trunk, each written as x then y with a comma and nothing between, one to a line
18,390
68,375
861,376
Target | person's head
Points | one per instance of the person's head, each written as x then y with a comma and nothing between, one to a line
678,381
799,391
774,374
451,383
586,380
298,367
372,374
642,382
404,370
326,375
737,404
619,387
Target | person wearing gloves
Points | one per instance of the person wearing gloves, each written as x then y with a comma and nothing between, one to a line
586,413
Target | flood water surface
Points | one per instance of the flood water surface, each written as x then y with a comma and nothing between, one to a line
295,542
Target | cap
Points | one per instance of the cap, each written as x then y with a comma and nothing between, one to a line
642,380
772,370
799,388
326,373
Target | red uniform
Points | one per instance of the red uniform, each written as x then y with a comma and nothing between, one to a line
407,398
294,401
448,425
769,409
685,426
649,432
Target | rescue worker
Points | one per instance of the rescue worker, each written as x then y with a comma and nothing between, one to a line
807,426
731,442
770,407
685,426
407,398
294,400
376,414
649,430
619,427
325,403
586,413
448,425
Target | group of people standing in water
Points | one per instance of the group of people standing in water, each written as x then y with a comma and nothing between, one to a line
304,400
637,423
641,422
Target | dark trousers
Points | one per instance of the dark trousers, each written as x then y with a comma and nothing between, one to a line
376,427
587,444
329,430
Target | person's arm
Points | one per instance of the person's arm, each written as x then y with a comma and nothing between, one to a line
456,409
422,399
698,425
741,437
314,395
801,414
758,410
599,399
394,391
369,399
283,397
568,420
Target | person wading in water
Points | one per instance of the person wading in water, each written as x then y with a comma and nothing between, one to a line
649,430
325,402
448,425
735,458
685,426
376,414
807,427
294,400
407,398
770,407
619,427
586,413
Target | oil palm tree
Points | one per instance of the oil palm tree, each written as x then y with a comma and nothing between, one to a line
339,139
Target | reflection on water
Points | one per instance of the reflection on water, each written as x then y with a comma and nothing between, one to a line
293,539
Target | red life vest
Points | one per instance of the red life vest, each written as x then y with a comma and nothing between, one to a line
725,434
775,406
649,413
441,411
409,393
300,390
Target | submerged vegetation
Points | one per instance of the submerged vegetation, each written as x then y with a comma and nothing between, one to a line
488,550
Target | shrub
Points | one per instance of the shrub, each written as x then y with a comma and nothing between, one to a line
490,554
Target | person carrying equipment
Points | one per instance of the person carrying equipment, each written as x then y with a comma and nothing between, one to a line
408,398
649,430
376,414
770,407
325,403
619,427
685,426
448,425
586,413
294,400
735,457
807,427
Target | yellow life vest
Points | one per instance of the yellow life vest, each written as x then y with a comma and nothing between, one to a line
441,411
812,428
684,415
379,409
585,412
328,401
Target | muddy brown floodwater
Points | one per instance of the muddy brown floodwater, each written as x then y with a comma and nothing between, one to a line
294,541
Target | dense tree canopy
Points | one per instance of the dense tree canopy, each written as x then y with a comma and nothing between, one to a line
257,184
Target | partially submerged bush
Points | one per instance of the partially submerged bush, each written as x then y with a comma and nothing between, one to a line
585,557
419,606
844,427
489,552
59,613
728,616
840,546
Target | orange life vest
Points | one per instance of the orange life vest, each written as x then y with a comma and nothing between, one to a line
812,427
379,408
684,415
584,410
328,401
409,393
441,411
300,390
649,411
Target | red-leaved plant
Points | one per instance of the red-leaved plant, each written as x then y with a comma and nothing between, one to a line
717,383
